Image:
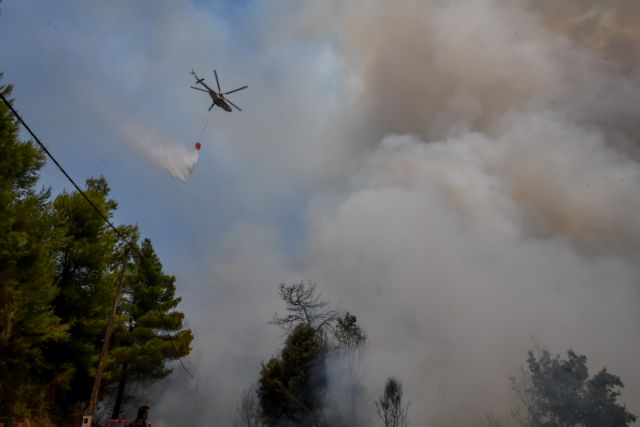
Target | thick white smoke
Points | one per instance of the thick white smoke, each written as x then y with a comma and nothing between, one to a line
498,202
172,157
452,276
162,151
492,200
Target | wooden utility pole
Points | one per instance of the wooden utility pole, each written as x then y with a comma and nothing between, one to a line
91,408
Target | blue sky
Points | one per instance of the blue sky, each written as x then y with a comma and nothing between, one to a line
66,58
462,176
85,72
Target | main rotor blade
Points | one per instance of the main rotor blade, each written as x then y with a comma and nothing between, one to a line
201,82
237,108
235,90
217,81
197,88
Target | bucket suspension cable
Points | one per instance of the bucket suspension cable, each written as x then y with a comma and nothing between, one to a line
204,128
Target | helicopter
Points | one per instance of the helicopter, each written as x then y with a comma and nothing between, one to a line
217,97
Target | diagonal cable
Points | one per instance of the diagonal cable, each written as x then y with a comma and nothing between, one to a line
64,172
135,248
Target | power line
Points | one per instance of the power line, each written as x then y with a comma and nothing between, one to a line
135,248
185,369
64,172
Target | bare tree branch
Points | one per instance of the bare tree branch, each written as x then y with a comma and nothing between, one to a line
248,410
304,305
390,407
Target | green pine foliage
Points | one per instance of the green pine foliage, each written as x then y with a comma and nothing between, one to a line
559,392
59,267
27,290
153,331
86,277
291,385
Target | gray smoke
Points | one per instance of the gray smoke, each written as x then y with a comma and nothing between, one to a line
498,202
487,191
177,159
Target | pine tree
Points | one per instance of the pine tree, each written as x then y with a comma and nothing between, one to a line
87,261
27,290
291,385
153,332
559,392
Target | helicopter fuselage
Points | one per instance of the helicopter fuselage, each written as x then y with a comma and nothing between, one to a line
216,96
219,101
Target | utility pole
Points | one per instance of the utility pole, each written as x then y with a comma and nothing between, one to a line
87,419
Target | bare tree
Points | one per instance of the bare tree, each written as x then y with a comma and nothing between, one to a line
248,410
390,407
304,306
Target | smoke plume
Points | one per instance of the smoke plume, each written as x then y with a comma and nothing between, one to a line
497,198
172,157
163,152
488,195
